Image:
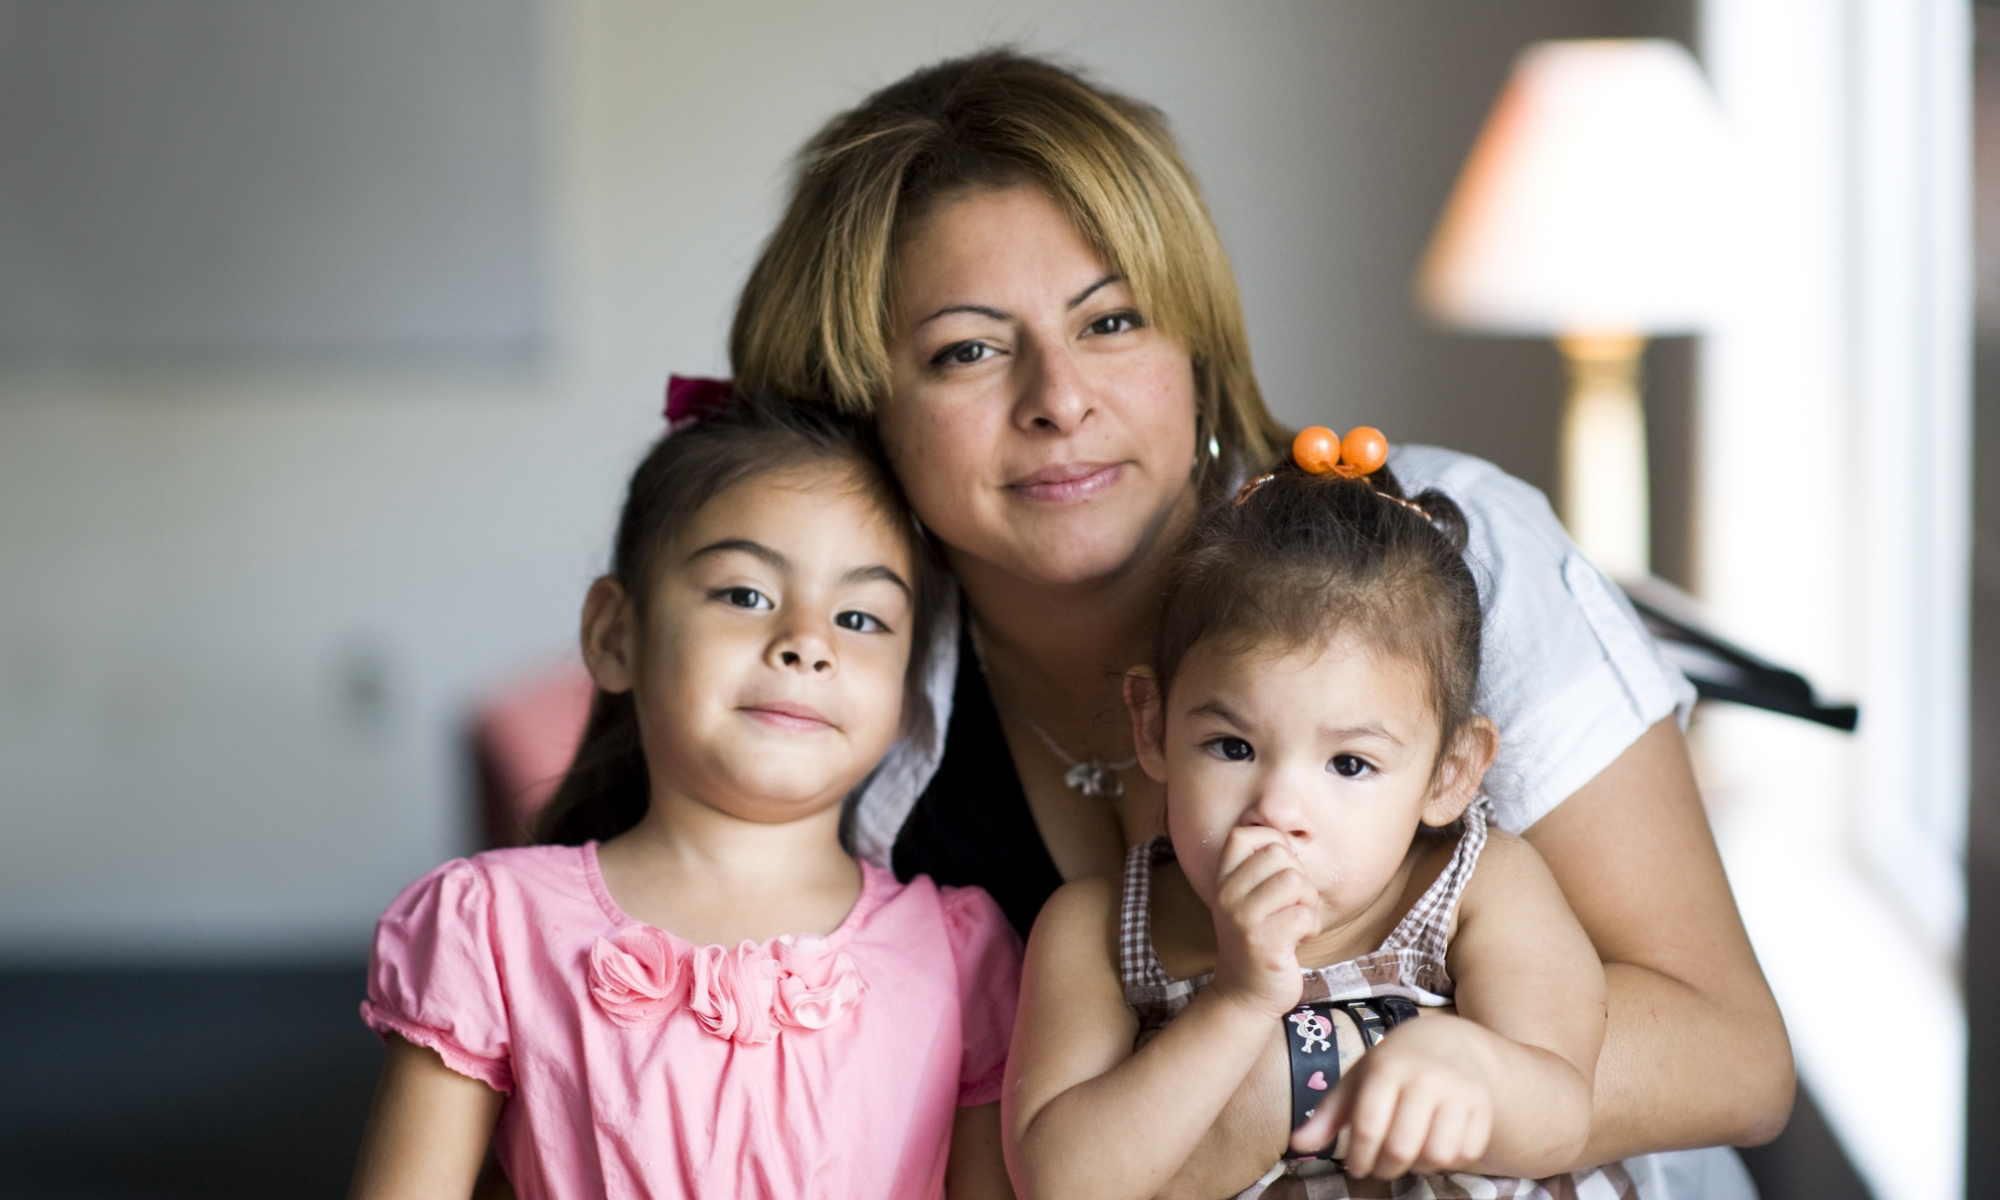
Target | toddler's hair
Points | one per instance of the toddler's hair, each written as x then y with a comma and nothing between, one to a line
605,792
1306,556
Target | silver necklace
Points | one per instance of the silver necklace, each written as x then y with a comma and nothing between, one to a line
1092,776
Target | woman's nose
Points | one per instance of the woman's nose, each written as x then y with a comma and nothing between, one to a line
1055,396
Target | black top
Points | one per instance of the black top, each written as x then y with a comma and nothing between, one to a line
972,824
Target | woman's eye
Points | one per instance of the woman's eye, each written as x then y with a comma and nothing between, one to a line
1118,322
1347,766
860,622
1232,749
743,597
962,353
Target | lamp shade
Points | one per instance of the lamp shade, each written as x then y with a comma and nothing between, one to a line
1594,200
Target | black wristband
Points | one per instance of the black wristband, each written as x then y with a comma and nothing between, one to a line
1314,1048
1315,1055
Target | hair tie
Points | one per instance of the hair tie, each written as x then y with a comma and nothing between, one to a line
692,399
1320,451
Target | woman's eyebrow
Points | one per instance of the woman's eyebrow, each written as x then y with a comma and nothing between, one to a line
998,315
976,309
885,574
1086,293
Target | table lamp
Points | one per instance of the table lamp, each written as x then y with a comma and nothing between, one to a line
1592,209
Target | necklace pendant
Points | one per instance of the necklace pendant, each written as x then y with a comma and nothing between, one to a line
1095,779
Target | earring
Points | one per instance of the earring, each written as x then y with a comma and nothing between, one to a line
1208,448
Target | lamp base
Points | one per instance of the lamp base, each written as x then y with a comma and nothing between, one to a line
1605,488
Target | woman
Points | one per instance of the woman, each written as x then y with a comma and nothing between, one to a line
1014,271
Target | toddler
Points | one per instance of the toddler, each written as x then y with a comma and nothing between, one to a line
1329,872
691,989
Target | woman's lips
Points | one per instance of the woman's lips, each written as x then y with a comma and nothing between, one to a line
1066,483
792,718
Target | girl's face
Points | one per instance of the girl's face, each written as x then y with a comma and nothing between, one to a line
1036,420
768,664
1332,746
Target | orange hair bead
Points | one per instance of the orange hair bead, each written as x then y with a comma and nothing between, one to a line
1363,451
1317,449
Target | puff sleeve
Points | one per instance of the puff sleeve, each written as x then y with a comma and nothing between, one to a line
987,954
434,976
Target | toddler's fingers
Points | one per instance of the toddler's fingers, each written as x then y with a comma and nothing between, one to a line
1444,1149
1325,1124
1237,888
1478,1133
1245,841
1369,1117
1281,889
1408,1133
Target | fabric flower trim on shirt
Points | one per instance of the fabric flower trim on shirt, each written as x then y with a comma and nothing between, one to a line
638,976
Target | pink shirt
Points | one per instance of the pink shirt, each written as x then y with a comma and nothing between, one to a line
638,1065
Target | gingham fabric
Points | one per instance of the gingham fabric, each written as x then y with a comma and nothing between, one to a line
1409,962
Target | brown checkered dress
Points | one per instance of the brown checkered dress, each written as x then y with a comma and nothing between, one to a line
1409,963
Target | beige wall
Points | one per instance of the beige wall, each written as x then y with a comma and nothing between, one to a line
207,568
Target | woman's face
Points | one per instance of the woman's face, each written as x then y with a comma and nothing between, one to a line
1039,423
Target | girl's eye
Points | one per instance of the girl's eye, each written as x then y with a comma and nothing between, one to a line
1232,749
1347,766
743,597
962,353
860,622
1118,322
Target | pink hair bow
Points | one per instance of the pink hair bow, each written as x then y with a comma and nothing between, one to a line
692,399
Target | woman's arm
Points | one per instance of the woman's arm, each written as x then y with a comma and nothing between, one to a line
1695,1053
428,1131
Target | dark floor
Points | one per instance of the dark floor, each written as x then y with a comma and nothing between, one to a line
177,1085
182,1084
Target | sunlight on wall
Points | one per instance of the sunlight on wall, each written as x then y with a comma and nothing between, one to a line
1834,501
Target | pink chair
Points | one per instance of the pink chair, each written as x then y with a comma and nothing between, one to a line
524,737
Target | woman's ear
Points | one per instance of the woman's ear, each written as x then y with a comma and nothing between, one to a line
1460,772
610,635
1144,702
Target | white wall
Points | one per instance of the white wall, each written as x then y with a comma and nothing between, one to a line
207,564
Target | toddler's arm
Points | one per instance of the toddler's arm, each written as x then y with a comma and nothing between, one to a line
976,1170
427,1132
1083,1113
1504,1088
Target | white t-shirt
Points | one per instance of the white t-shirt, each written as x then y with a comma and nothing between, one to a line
1566,670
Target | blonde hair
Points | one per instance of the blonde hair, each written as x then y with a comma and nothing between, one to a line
813,318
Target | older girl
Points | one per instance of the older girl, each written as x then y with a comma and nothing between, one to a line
1014,272
691,989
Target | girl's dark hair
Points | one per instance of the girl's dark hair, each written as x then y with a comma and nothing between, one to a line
605,791
1306,555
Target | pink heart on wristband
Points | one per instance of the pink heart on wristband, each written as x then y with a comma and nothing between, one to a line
1318,1081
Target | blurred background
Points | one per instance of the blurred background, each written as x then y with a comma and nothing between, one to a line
329,332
